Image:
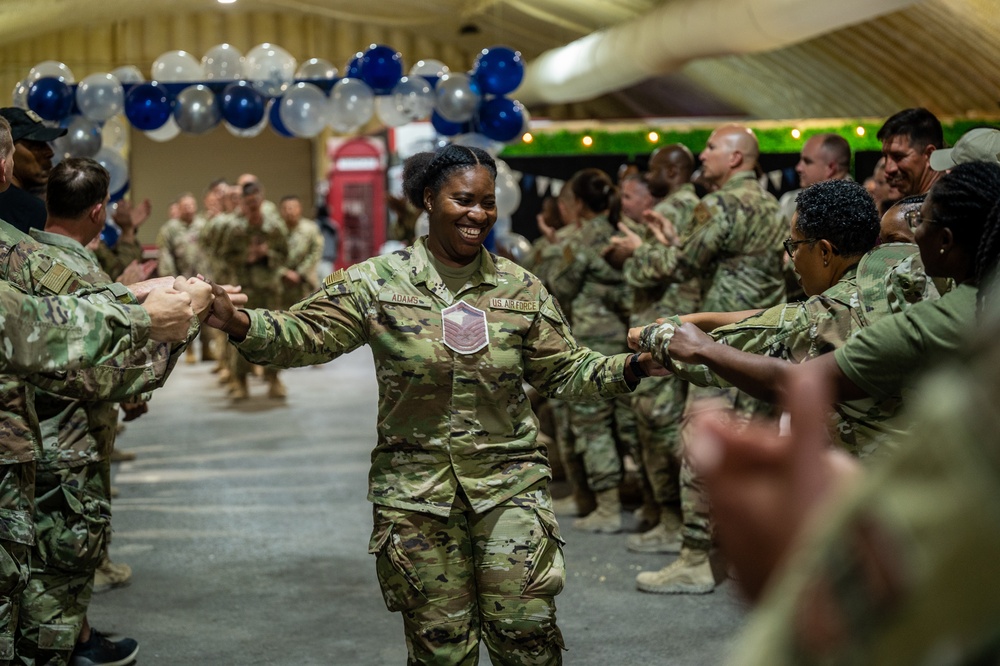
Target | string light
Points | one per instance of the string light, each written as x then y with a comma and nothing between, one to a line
527,138
860,130
588,141
653,137
796,133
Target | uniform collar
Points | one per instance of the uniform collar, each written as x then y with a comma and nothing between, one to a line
423,272
58,240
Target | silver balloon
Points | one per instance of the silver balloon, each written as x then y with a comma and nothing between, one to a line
270,69
50,69
128,74
316,69
223,62
117,167
517,246
19,96
413,97
82,139
351,104
197,110
165,132
100,96
388,112
457,100
178,67
476,140
304,110
429,67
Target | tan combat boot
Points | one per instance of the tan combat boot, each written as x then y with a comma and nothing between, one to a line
276,390
110,575
189,355
691,573
238,388
606,518
664,538
566,506
225,376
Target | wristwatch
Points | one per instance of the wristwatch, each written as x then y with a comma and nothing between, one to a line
637,371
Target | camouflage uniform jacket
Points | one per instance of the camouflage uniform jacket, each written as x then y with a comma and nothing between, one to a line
886,281
305,249
180,249
549,256
447,420
735,247
28,267
74,431
62,333
597,294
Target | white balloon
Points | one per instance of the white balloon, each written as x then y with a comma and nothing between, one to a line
304,110
387,111
50,69
100,96
114,134
351,104
177,66
316,69
413,96
477,140
457,100
166,132
19,96
508,195
223,62
116,166
128,74
429,67
269,68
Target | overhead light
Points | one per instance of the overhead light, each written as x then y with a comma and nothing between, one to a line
226,2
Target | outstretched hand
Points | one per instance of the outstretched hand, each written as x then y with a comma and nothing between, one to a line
224,315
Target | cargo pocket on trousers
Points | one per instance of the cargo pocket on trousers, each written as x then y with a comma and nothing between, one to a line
547,570
75,537
401,586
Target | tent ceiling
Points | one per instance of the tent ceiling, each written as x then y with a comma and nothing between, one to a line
942,54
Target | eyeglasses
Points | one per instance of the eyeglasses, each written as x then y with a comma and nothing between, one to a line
914,220
790,244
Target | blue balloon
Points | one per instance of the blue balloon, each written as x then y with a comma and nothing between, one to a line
501,119
499,70
242,106
447,127
353,69
381,68
274,116
110,234
50,98
148,106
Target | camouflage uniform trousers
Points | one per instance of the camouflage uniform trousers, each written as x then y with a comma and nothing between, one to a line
73,524
17,488
469,576
659,409
695,506
256,298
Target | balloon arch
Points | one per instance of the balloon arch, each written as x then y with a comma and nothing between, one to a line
246,93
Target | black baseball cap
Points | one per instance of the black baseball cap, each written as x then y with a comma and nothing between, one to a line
29,125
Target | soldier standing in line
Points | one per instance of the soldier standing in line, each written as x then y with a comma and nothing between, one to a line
254,248
735,248
466,544
659,403
180,252
305,249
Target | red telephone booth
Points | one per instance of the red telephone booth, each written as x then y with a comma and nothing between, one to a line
356,197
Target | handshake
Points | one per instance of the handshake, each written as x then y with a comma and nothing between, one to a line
172,303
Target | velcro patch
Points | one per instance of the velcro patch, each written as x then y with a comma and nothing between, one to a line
55,278
701,214
512,304
335,277
404,299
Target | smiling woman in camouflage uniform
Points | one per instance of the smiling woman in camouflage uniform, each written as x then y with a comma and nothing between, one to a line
465,540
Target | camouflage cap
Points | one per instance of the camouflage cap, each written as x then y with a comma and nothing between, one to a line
977,145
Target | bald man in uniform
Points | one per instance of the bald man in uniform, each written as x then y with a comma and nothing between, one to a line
734,248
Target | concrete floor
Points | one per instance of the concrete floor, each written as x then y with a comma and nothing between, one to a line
247,530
